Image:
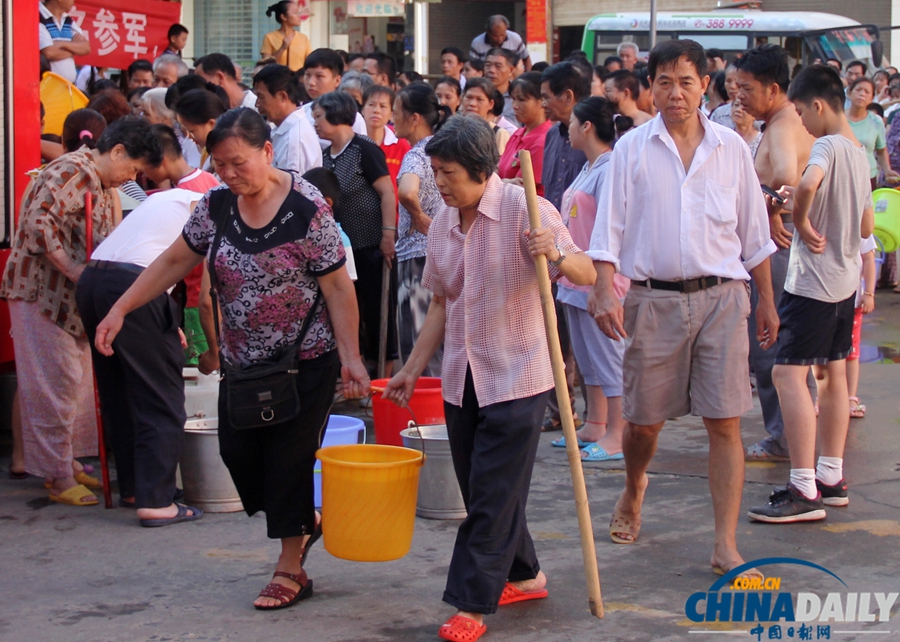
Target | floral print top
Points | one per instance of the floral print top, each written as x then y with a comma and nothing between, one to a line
267,277
52,218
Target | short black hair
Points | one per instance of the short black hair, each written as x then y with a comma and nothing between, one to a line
624,79
326,181
565,76
176,30
199,106
528,83
379,90
669,52
139,65
712,52
243,123
279,78
325,59
476,64
876,108
540,66
484,84
581,63
168,140
717,81
214,62
510,56
339,108
140,91
858,63
610,60
456,51
186,83
768,64
840,65
385,63
451,82
642,73
134,134
821,82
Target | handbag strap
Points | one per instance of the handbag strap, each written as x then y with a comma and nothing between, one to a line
213,278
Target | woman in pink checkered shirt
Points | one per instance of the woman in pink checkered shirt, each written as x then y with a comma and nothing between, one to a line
496,372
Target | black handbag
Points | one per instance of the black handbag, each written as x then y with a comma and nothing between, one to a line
265,393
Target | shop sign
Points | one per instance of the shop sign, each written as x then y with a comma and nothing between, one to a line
121,31
383,9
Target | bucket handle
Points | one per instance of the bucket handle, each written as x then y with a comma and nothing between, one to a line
413,423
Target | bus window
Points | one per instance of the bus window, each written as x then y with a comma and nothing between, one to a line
725,42
844,44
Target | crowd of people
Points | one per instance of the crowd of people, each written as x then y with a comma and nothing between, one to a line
703,220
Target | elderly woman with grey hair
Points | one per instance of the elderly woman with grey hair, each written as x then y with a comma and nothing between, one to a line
496,369
356,84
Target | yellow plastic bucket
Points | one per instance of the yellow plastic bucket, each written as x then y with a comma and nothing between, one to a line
887,217
60,98
369,500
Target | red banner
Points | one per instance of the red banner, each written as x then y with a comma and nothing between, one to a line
122,31
535,21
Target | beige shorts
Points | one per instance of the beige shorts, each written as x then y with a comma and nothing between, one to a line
686,353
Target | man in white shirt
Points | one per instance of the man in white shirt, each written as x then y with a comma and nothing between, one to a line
295,143
60,39
682,215
141,386
321,75
218,69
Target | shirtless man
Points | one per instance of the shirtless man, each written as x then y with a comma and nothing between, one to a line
762,82
622,90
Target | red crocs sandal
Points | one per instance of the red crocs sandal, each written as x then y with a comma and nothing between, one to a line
287,596
511,595
461,629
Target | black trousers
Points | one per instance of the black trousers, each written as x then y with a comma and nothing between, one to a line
369,264
272,467
141,386
493,449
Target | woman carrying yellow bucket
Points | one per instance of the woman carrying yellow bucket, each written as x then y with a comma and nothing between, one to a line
496,371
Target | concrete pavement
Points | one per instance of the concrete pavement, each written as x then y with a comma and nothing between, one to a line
87,574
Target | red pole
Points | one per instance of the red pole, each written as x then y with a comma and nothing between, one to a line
101,442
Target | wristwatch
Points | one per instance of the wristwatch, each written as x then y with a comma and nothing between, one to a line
562,257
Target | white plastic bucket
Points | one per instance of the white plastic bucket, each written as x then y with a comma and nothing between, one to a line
207,482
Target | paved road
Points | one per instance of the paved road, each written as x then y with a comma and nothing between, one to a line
73,574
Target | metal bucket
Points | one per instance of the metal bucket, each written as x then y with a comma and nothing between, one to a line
439,494
207,482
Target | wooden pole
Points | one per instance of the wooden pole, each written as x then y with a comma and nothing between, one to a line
588,549
101,442
383,329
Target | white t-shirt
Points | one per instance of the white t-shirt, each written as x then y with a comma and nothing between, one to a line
296,145
359,125
836,213
55,31
149,230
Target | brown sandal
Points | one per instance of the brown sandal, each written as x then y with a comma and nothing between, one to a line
287,596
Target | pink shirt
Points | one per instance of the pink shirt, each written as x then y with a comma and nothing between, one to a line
533,141
494,320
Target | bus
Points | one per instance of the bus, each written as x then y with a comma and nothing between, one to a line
808,37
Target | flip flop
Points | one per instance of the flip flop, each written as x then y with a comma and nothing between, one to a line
749,573
17,476
596,453
287,596
73,496
620,525
82,478
511,595
182,516
461,629
561,443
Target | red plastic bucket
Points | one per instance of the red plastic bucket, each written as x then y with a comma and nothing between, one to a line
426,404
